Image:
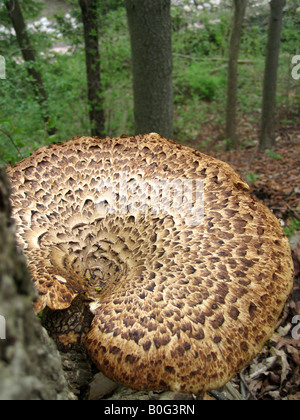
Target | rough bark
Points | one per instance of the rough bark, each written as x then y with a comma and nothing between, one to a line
89,12
235,40
151,45
29,57
30,365
267,138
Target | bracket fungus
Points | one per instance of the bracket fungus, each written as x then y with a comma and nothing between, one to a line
160,299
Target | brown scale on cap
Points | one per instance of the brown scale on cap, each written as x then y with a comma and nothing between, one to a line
176,306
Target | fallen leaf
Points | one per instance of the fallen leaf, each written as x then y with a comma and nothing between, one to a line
263,367
282,360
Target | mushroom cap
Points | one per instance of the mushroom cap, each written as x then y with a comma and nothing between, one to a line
180,302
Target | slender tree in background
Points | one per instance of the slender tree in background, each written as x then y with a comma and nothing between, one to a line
267,138
151,45
235,40
89,11
28,54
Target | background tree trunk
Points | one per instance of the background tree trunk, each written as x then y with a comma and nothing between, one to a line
267,138
30,366
28,54
151,45
89,11
235,40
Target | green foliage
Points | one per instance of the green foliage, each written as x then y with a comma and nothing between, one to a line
294,225
30,8
22,129
200,46
10,148
197,80
290,39
254,40
251,178
19,114
111,5
273,155
203,36
202,83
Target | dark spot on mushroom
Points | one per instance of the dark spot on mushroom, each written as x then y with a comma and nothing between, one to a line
234,313
147,345
179,351
186,346
244,346
217,339
190,270
114,350
170,369
260,231
132,359
218,321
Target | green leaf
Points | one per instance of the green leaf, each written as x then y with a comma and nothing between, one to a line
273,155
251,178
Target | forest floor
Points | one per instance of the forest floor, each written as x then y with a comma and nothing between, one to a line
274,178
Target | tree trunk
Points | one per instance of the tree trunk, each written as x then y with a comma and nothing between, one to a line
89,9
267,138
28,53
235,40
151,45
30,366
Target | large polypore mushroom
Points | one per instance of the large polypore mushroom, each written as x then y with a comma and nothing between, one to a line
185,273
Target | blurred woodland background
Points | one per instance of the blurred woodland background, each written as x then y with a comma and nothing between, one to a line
221,76
44,98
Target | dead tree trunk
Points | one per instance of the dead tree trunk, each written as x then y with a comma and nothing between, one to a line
28,54
267,138
89,10
30,366
151,46
235,40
